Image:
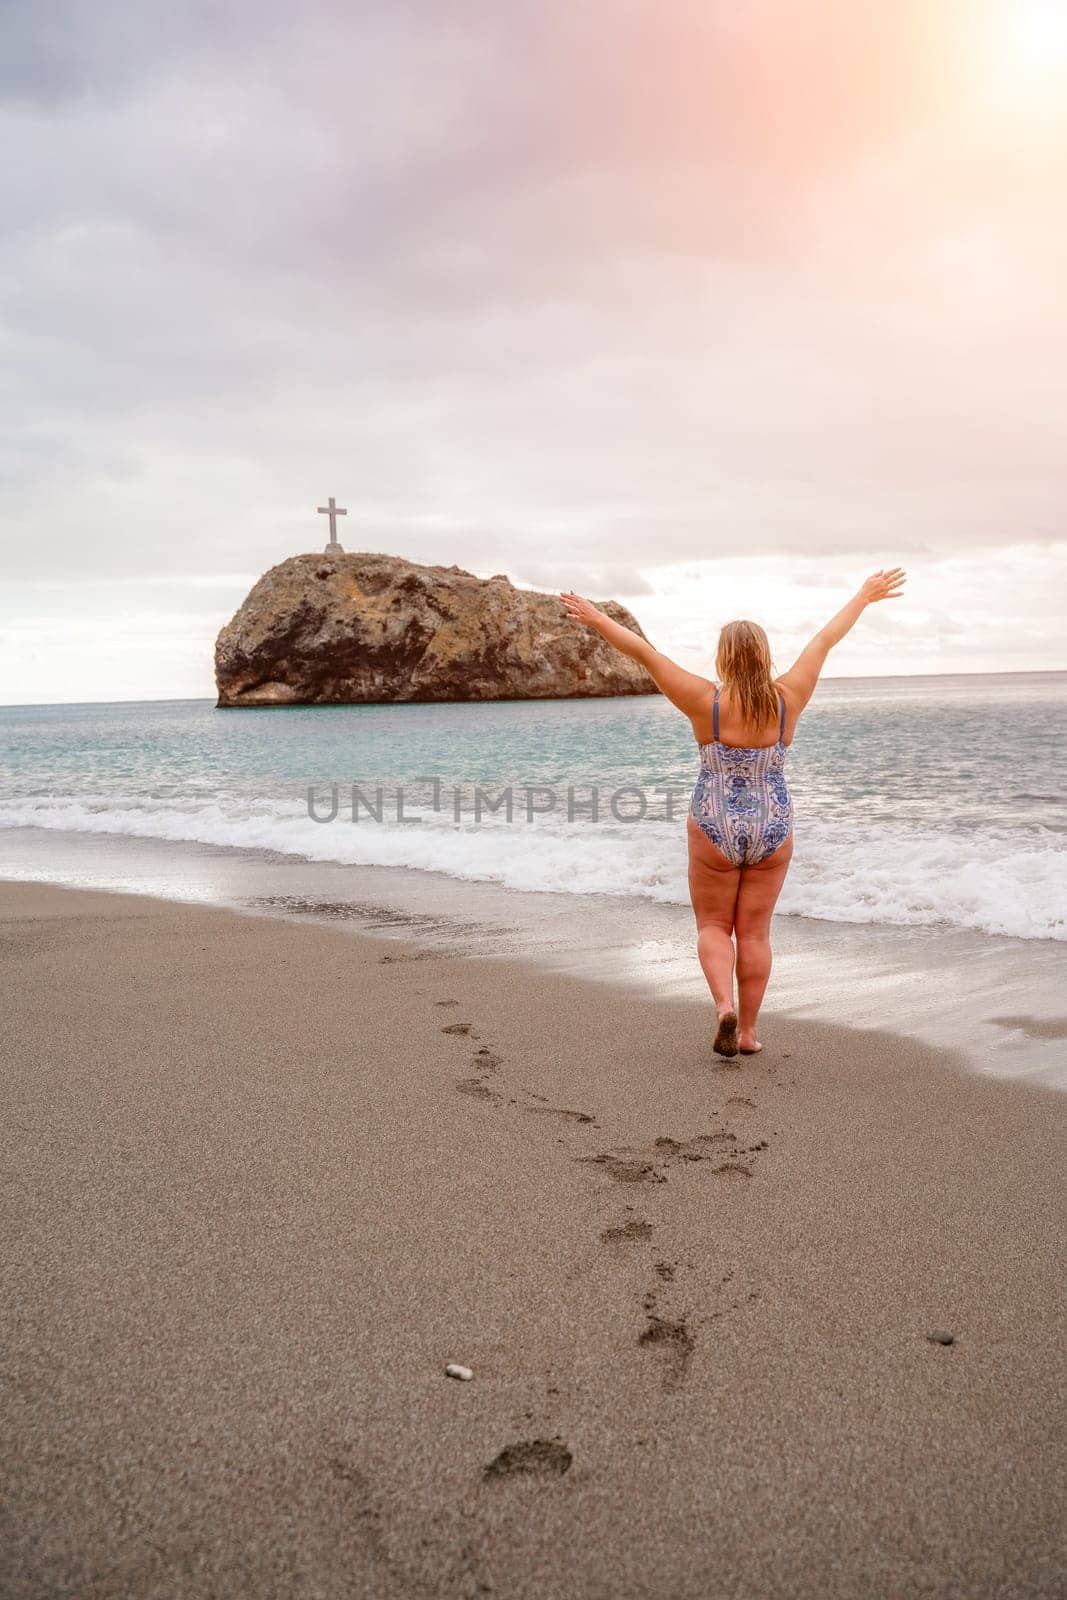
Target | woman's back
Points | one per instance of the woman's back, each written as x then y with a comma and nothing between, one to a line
734,728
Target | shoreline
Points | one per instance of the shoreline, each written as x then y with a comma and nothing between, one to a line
263,1182
993,997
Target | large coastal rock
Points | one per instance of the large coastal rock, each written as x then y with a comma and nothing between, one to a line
353,629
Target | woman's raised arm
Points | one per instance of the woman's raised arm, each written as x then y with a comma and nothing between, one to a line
803,675
686,690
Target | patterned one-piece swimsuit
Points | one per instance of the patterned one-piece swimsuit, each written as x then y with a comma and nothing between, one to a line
741,800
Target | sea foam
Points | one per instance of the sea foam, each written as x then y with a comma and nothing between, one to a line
992,880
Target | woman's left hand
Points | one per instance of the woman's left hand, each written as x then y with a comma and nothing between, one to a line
581,610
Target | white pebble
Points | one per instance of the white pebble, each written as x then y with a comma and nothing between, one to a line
454,1370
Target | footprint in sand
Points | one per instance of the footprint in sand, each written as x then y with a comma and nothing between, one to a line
458,1027
557,1111
484,1063
626,1169
542,1457
633,1229
698,1148
674,1343
446,1002
731,1169
479,1089
650,1165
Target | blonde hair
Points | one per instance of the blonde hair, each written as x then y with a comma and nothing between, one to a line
743,663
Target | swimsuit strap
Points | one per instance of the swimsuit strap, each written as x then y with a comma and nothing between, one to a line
715,718
781,730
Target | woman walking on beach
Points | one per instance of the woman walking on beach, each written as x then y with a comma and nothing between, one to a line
740,822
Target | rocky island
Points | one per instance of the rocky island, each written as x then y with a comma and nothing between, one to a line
356,628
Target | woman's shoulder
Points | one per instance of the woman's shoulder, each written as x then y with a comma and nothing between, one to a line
794,703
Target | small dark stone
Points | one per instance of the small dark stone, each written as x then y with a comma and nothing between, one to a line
939,1336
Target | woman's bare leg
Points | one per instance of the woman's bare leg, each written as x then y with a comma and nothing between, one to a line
757,893
713,886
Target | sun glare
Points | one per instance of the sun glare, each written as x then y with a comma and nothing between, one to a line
1027,52
1037,36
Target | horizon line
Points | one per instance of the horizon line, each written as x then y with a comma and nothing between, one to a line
187,699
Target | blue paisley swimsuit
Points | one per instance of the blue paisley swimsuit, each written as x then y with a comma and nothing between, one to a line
741,800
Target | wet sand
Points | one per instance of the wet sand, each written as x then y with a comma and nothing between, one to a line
263,1181
998,1001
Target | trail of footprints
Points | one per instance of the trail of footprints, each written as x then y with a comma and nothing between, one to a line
729,1156
486,1064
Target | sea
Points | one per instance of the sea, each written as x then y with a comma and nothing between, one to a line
931,818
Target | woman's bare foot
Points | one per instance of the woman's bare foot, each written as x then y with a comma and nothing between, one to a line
748,1044
726,1037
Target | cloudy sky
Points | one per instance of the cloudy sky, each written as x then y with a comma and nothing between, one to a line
713,307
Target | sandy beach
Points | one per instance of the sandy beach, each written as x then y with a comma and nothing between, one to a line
263,1181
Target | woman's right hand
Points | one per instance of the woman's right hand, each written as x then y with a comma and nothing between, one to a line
580,609
883,586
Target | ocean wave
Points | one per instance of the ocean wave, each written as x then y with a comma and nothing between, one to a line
994,881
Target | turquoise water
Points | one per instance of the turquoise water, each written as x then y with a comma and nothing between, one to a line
919,800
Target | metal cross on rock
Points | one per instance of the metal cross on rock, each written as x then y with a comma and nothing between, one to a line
333,511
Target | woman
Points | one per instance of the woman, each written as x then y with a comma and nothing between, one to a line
740,822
